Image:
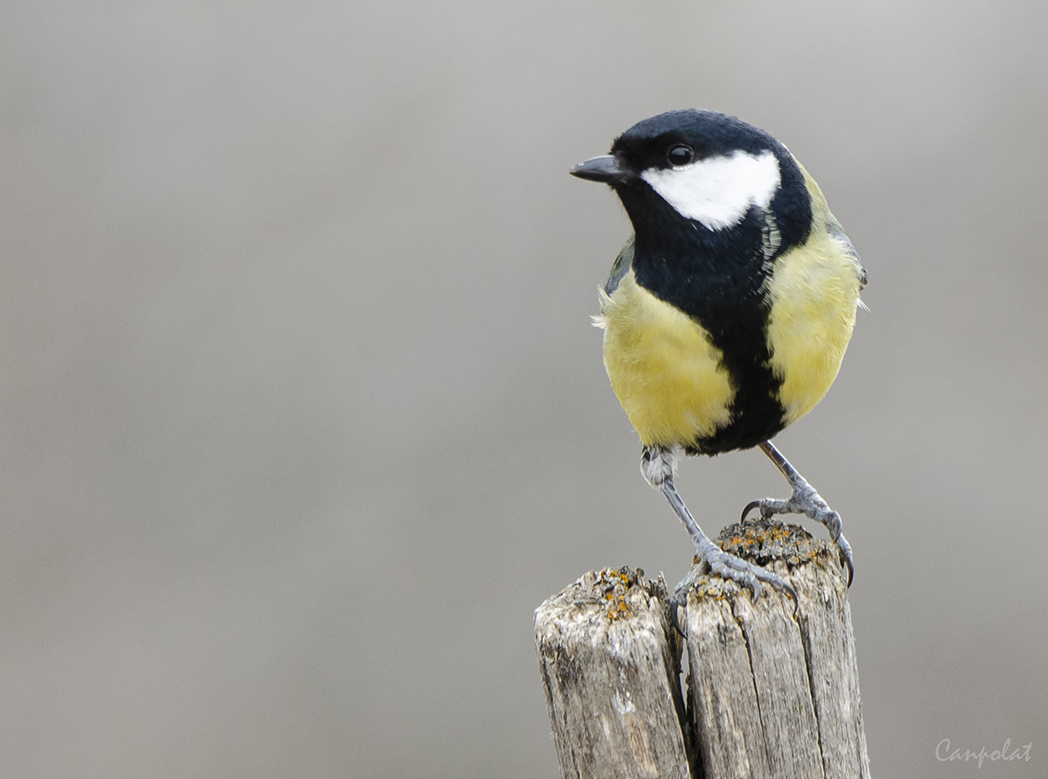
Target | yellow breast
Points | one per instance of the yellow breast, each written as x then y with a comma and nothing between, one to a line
810,324
814,293
663,368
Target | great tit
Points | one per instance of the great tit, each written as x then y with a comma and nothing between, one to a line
728,312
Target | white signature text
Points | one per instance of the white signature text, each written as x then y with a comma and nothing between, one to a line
944,754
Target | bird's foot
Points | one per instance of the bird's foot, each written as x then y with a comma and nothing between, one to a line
805,500
727,566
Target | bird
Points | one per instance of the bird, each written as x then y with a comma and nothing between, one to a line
727,313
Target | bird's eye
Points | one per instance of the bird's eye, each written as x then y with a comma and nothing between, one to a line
680,155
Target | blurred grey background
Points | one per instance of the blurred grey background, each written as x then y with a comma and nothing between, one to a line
303,414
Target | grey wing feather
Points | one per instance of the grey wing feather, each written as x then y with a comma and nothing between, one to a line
620,267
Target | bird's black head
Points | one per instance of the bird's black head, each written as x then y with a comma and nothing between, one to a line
703,171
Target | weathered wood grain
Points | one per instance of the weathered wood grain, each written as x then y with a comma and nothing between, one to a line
611,666
771,692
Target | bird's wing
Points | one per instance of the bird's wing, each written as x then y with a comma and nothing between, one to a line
620,267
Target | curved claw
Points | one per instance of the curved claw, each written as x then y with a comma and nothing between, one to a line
675,608
792,593
793,596
753,504
846,553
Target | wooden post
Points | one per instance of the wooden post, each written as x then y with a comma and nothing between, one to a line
770,693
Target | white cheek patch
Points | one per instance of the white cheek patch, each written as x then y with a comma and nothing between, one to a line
718,191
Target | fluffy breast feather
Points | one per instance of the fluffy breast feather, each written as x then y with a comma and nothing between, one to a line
663,368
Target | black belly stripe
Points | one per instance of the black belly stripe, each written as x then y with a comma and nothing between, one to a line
718,279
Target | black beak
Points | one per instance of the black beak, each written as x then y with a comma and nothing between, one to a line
607,169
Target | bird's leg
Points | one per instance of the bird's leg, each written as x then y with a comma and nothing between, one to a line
659,466
805,500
